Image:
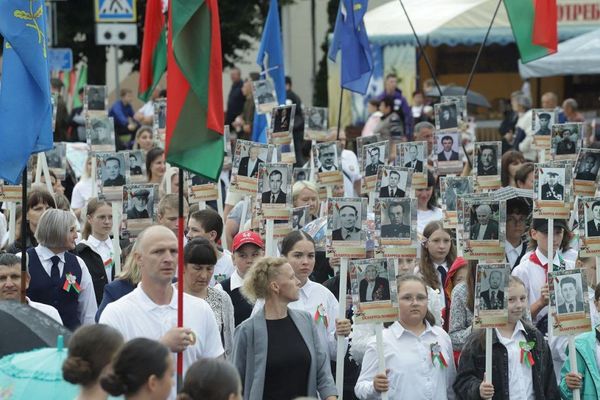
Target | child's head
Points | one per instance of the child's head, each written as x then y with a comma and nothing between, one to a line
539,235
168,212
437,247
517,213
588,264
517,299
247,248
412,299
456,273
207,224
406,266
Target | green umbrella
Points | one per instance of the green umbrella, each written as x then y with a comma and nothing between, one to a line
36,374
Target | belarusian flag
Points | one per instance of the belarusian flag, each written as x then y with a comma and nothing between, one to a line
154,49
195,101
534,25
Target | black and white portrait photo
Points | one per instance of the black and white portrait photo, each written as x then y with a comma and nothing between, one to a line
327,155
571,294
347,221
552,184
413,155
264,95
446,116
491,296
542,122
454,187
301,174
300,216
395,218
95,97
374,285
250,158
592,218
160,113
113,170
587,166
277,184
136,163
315,118
487,159
565,138
374,156
101,132
138,205
393,183
57,160
283,119
448,146
484,223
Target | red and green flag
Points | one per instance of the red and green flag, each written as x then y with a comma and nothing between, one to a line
154,49
534,25
195,102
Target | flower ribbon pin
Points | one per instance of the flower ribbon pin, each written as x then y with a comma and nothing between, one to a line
436,353
321,315
526,357
71,282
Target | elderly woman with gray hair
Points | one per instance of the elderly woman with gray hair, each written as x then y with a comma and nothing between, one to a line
59,278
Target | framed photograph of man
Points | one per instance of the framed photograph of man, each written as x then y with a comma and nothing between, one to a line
566,141
275,190
265,99
246,163
160,121
487,166
552,190
57,160
395,227
569,302
139,206
485,229
589,226
301,174
136,166
362,141
451,188
328,163
110,174
491,295
375,156
95,100
587,166
316,124
542,121
393,182
346,227
446,116
373,289
282,124
100,133
448,153
201,189
300,217
412,155
461,107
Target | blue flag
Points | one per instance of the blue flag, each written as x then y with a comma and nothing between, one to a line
25,99
350,36
270,60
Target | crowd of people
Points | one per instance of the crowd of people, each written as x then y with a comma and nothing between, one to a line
266,327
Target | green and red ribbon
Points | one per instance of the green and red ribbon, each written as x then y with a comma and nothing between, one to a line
436,353
320,315
71,282
526,356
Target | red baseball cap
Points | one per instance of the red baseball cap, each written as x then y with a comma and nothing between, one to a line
246,237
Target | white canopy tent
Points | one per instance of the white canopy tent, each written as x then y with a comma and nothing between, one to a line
577,56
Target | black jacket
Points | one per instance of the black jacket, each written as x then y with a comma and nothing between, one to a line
96,268
471,367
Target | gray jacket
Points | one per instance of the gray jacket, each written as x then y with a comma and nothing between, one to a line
250,355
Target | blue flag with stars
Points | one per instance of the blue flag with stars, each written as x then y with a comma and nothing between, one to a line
270,59
25,99
350,36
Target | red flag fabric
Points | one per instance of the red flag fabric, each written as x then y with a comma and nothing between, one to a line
545,25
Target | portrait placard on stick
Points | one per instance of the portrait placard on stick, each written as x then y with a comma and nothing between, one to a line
453,187
461,108
552,190
374,292
316,123
136,166
57,160
327,156
448,153
160,121
286,153
491,295
484,228
346,227
587,166
95,100
100,133
589,226
201,189
487,166
264,96
300,217
246,162
139,207
542,121
301,174
275,190
282,124
393,182
395,227
446,116
413,155
110,175
362,141
374,156
569,303
566,141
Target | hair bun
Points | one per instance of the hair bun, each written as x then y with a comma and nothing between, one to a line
113,385
77,371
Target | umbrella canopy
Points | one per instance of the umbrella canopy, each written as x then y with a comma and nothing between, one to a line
473,98
36,374
25,328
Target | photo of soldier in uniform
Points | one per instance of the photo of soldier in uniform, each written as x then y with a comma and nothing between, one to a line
587,167
373,287
395,226
375,157
138,205
113,170
95,96
552,185
542,122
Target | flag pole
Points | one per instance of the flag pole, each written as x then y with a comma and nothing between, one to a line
24,234
180,278
339,121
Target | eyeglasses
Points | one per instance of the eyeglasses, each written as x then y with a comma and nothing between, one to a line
420,298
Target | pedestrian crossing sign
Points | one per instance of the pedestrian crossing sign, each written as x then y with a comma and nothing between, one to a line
115,10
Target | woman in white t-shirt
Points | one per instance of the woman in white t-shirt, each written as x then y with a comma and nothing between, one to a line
427,209
83,189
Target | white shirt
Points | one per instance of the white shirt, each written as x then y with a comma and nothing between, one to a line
425,217
105,250
147,110
136,315
413,374
313,295
87,305
512,253
351,172
46,309
223,268
81,193
520,381
481,232
251,164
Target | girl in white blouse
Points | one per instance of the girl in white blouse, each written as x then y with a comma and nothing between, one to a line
418,354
